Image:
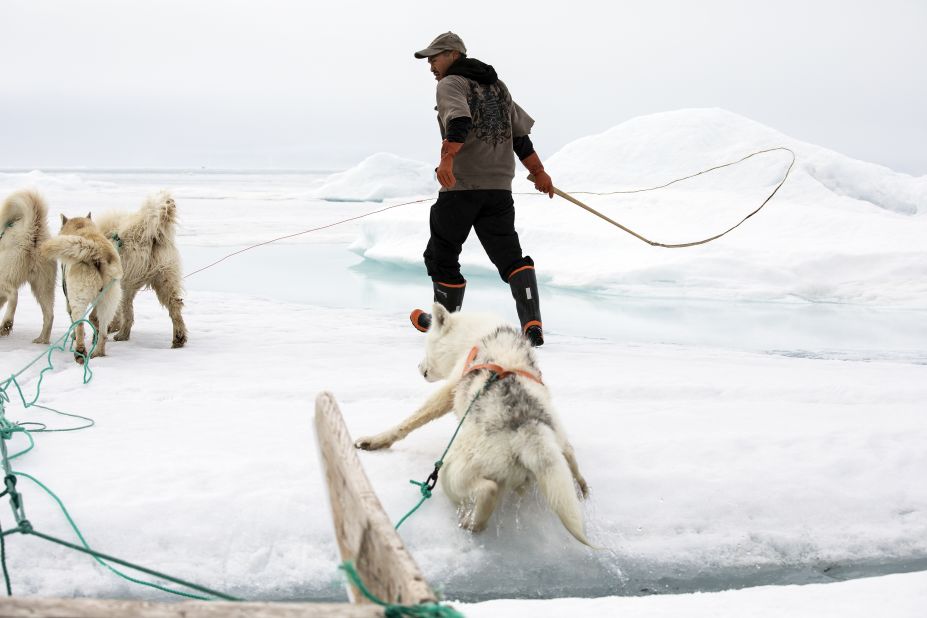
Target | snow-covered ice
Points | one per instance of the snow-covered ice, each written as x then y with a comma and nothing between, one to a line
838,231
749,412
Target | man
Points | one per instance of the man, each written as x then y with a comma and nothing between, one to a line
481,126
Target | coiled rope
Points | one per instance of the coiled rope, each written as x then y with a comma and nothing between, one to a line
654,243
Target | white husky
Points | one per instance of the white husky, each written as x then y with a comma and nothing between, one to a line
92,274
511,435
149,258
22,229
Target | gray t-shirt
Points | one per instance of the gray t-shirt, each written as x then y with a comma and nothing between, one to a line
486,160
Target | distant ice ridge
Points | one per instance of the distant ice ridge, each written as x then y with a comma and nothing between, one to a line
839,230
378,177
649,150
71,181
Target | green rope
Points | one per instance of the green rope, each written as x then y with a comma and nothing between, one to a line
59,346
6,573
391,610
7,431
428,484
26,528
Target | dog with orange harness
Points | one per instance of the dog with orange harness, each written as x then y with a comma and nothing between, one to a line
511,436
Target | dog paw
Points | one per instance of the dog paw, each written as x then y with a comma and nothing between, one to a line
79,358
467,523
5,329
179,340
372,443
40,340
120,337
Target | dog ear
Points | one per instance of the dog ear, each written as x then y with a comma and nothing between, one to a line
63,219
440,316
88,215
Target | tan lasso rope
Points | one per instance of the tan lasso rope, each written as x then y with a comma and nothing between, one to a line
562,194
653,243
314,229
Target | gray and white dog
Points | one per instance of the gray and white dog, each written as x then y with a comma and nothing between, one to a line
23,228
511,436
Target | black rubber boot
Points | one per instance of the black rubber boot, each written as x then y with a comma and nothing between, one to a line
449,295
524,286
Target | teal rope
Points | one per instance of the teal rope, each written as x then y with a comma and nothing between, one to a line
426,493
44,428
391,610
6,573
428,484
58,345
97,555
8,429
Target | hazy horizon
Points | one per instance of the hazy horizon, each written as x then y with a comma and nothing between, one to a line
283,85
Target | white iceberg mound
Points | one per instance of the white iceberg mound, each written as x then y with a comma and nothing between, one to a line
378,177
839,230
650,150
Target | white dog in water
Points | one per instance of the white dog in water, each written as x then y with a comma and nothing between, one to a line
22,229
149,258
92,273
511,435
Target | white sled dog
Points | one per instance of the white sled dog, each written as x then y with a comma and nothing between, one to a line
511,435
149,258
91,267
22,229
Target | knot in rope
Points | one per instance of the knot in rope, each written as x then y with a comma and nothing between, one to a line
423,487
429,484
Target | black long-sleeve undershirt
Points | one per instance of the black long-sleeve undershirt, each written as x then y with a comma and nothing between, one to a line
458,128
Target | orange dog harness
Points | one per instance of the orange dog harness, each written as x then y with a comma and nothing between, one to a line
500,371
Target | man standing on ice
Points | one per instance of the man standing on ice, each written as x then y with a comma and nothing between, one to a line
481,126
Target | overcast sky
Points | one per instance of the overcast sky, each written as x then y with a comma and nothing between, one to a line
320,85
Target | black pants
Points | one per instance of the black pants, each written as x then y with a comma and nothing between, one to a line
491,213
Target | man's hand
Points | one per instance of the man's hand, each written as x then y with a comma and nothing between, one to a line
445,168
542,180
544,183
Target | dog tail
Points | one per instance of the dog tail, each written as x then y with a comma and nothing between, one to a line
26,206
73,249
157,217
541,454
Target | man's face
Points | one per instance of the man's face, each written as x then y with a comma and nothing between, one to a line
439,63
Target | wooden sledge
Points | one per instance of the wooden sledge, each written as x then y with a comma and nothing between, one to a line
364,533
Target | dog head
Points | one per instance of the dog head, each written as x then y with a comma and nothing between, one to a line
76,224
450,338
439,360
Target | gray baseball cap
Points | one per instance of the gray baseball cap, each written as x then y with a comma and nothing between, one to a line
443,42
